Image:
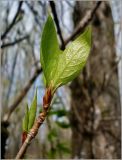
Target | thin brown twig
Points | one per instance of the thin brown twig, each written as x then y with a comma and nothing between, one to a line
84,22
38,122
36,15
14,42
13,22
53,8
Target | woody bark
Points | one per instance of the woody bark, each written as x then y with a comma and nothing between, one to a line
95,101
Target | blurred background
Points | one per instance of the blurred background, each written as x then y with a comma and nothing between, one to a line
85,116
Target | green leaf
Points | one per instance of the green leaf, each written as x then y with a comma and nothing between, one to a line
43,79
61,67
32,111
73,59
25,120
63,124
49,50
59,112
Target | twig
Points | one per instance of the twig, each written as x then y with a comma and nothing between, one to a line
53,8
22,94
13,22
14,42
34,130
84,22
35,13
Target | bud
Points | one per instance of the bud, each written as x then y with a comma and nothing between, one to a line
47,98
24,136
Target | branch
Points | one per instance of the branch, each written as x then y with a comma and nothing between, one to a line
35,13
84,22
22,94
53,8
34,130
14,42
13,22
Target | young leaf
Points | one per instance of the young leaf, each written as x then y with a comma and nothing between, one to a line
25,120
62,67
73,59
49,50
32,111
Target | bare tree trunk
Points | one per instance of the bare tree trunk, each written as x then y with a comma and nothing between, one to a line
95,101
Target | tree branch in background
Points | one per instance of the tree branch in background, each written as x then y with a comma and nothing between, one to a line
53,8
84,22
35,13
13,22
14,42
22,94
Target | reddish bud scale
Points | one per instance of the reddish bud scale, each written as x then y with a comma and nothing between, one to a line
24,136
47,97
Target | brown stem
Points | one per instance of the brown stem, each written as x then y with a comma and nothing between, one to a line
13,22
38,122
84,22
53,8
4,45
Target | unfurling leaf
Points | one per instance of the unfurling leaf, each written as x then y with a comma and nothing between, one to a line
61,67
25,120
29,118
32,111
49,50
